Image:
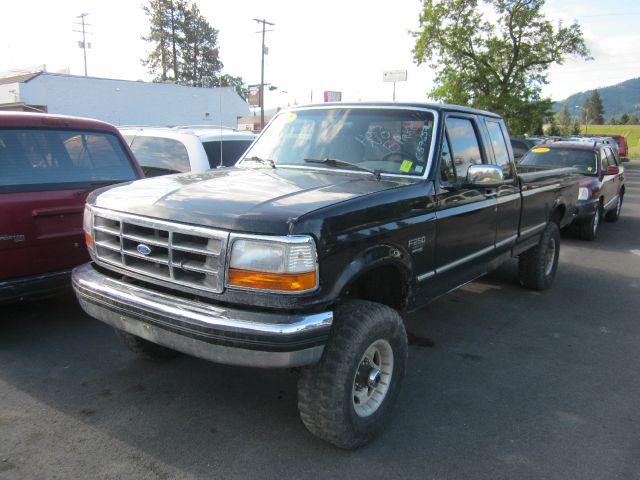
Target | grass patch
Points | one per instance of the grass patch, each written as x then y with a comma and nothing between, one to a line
631,132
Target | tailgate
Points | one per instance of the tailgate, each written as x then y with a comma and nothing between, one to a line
41,232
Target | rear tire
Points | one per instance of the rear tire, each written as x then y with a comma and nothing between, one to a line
537,266
614,214
348,396
147,349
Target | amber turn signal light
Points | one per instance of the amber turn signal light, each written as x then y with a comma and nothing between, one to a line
88,240
289,282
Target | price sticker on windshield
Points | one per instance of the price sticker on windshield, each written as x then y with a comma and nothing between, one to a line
540,150
406,166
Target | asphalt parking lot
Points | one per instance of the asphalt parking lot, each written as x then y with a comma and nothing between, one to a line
502,383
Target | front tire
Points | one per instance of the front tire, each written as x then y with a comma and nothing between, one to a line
589,231
348,396
537,266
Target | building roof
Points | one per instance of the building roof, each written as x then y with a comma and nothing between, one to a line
19,78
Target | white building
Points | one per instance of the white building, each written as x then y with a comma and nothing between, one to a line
121,102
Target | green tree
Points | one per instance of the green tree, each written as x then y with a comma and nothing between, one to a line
165,17
553,129
185,47
613,120
198,44
634,120
235,82
624,119
593,109
564,120
499,64
576,127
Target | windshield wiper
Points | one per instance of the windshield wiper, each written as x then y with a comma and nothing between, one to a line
266,161
335,162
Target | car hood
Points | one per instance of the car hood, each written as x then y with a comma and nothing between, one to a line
587,180
258,200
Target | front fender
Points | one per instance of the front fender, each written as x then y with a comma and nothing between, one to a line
369,259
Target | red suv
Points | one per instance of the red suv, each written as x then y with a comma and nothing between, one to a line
623,148
602,187
48,166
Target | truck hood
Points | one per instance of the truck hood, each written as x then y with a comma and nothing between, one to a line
258,200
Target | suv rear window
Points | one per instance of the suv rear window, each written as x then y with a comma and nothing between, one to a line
225,153
159,155
51,157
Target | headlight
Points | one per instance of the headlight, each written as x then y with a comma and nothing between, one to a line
287,264
583,193
87,227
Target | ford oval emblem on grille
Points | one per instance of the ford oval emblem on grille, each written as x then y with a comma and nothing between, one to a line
143,249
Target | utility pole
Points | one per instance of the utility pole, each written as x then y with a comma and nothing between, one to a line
84,41
264,30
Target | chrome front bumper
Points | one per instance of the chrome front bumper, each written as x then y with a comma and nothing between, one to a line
216,333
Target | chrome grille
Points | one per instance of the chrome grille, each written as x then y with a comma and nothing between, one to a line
182,254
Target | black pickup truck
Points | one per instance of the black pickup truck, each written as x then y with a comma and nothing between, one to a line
337,220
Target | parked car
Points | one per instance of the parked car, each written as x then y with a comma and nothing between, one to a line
521,145
602,185
623,148
164,150
337,219
48,166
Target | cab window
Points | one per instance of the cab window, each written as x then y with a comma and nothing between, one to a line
464,147
499,147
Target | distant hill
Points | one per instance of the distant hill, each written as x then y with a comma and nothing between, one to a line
618,99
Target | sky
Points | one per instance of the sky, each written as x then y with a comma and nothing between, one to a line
330,45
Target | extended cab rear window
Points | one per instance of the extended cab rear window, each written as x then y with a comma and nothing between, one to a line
32,157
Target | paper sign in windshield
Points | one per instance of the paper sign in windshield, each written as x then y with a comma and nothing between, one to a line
540,150
406,166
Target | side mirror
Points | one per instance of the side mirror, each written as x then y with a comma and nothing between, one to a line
611,170
486,176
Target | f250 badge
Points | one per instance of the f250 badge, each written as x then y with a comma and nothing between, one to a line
15,238
417,244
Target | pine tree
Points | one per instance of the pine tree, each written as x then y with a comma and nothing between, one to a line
624,119
563,117
165,17
185,47
593,110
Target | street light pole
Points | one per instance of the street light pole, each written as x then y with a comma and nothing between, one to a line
264,24
586,118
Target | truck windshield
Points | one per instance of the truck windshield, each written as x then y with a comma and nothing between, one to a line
51,157
393,141
583,160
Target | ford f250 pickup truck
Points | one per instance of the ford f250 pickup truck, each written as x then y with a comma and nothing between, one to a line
336,221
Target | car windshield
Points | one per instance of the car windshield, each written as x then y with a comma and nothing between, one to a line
583,160
393,140
48,157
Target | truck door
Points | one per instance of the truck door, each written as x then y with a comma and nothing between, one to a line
507,195
465,216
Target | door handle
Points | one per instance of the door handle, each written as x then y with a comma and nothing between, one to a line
490,193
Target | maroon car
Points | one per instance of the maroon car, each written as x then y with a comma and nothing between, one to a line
48,166
601,184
